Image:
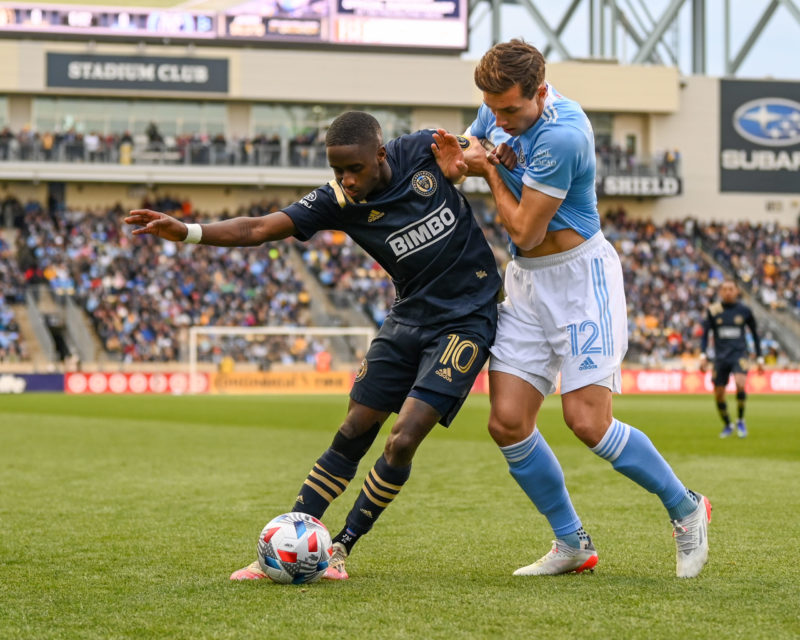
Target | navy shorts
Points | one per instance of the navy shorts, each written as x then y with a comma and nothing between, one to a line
724,368
443,359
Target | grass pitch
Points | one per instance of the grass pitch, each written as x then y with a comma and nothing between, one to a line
122,517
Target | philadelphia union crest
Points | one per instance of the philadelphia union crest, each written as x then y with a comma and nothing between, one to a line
424,183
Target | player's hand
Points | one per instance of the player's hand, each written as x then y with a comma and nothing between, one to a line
503,154
156,224
449,155
760,366
703,362
477,156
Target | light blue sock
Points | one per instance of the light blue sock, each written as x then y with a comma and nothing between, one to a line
536,469
632,454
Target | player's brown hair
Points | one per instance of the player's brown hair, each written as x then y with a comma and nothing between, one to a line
510,63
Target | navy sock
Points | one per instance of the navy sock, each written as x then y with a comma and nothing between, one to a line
325,482
380,487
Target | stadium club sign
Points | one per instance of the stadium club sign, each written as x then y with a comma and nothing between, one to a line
137,72
759,136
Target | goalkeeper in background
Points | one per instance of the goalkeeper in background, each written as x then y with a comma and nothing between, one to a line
397,201
726,321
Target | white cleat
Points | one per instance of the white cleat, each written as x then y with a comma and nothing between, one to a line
691,538
561,559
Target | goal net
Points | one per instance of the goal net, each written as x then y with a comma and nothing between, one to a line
249,359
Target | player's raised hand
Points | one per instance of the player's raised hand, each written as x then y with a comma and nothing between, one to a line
449,155
157,224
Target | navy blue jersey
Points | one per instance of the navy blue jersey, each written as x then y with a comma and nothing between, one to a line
420,229
727,323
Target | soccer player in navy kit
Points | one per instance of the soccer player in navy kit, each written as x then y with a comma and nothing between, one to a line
400,207
726,321
564,310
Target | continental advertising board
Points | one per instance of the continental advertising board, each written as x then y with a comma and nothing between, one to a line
339,382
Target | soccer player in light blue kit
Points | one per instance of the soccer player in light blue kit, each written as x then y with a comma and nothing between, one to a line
564,310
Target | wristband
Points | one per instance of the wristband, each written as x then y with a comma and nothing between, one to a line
194,233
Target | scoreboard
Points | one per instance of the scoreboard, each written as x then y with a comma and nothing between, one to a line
426,24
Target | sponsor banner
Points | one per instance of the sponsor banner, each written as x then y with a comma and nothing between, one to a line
26,382
176,383
137,72
282,382
639,186
340,382
653,381
759,136
700,382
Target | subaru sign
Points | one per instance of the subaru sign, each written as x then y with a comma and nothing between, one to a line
760,136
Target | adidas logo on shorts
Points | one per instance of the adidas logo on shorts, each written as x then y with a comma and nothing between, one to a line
446,373
587,364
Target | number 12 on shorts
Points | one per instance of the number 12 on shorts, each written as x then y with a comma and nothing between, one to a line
460,353
582,339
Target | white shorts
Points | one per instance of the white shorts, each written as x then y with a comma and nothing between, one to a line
564,313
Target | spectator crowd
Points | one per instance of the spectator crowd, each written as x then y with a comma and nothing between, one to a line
305,149
142,293
765,259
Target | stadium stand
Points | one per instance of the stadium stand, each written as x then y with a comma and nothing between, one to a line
141,295
12,346
764,257
614,160
28,145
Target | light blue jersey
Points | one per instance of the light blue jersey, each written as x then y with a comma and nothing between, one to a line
555,156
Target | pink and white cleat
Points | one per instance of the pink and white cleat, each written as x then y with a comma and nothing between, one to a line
336,570
251,572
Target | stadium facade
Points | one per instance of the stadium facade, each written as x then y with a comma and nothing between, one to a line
688,155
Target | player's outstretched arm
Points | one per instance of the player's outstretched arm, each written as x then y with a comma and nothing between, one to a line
449,155
236,232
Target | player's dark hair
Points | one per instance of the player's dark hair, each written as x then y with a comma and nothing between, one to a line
510,63
354,127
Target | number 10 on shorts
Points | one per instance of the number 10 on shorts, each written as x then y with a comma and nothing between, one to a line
459,353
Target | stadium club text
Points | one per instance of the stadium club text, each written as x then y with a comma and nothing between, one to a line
137,72
759,136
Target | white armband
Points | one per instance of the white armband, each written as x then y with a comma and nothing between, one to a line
194,233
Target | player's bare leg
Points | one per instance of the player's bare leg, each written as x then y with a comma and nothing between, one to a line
512,424
333,470
384,481
588,412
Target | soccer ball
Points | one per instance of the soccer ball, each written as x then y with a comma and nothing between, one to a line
294,548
